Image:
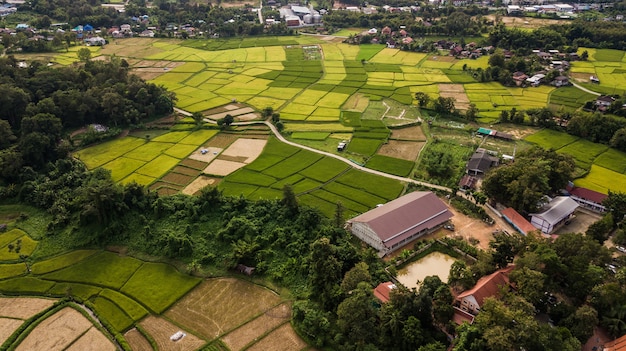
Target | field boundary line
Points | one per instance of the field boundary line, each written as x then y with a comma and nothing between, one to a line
340,158
325,183
263,336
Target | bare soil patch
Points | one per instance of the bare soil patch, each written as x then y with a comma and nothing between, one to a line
163,191
200,183
406,150
526,22
94,340
23,307
56,332
233,158
235,4
147,74
356,102
235,113
250,148
219,305
208,156
137,341
247,333
177,178
195,164
161,330
580,223
186,171
442,58
409,133
457,92
223,168
281,339
247,117
7,327
222,140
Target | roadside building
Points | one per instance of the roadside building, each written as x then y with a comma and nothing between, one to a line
480,162
472,300
518,221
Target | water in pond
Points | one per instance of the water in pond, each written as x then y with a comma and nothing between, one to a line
435,263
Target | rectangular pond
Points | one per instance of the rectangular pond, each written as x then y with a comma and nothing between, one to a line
435,263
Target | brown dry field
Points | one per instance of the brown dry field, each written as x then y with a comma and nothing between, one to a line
161,330
94,340
222,167
233,158
164,184
186,171
247,117
234,4
199,183
406,150
7,327
131,47
222,140
242,336
409,133
520,22
23,307
250,148
194,164
211,153
166,191
581,77
219,305
457,92
233,112
357,102
137,341
281,339
177,178
56,332
466,227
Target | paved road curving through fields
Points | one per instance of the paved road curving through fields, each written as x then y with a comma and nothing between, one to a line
585,89
342,159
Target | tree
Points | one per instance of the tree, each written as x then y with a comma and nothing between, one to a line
198,117
84,54
444,105
529,284
616,204
358,274
289,199
582,323
618,140
226,121
601,229
356,317
472,112
324,273
6,135
461,274
422,99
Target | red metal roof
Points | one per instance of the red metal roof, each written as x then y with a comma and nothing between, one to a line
588,194
519,222
405,216
616,345
383,290
488,286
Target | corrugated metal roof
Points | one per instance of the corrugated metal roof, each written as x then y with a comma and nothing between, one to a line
558,208
405,216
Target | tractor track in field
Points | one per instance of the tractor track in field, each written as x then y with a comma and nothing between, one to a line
340,158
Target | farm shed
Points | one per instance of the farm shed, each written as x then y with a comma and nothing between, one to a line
397,223
557,211
494,133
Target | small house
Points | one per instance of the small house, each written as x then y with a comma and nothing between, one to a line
604,101
480,162
560,81
342,146
383,290
489,286
594,79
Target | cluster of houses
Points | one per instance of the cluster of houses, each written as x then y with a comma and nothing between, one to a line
299,16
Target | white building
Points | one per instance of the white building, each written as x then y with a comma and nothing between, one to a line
557,211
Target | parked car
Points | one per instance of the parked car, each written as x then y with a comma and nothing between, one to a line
621,249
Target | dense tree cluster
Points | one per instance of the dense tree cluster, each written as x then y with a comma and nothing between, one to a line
578,33
447,21
39,103
523,183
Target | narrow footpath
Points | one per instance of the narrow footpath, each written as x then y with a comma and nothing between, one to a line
342,159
